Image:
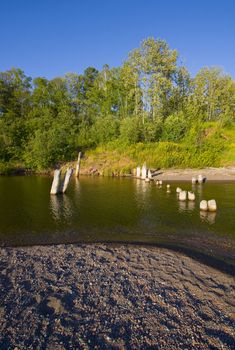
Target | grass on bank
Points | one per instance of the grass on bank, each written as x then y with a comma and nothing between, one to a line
213,146
216,148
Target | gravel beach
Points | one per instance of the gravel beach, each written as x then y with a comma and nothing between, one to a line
211,174
103,296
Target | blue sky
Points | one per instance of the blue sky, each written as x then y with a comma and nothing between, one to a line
52,37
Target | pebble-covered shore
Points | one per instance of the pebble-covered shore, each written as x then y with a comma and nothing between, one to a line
104,296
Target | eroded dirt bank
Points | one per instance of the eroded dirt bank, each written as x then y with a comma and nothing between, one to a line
112,297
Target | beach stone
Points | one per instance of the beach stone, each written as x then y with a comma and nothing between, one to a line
203,205
212,205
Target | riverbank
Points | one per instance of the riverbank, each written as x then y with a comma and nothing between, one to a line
113,297
211,174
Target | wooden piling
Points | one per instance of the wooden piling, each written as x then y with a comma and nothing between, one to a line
55,187
138,172
78,164
150,175
66,179
144,172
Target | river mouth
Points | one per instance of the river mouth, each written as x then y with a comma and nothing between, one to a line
120,210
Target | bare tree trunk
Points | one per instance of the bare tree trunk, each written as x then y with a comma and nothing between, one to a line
78,164
66,179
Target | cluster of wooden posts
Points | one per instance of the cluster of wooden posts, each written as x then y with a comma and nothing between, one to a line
60,184
144,173
147,175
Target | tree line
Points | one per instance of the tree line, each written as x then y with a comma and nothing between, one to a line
150,98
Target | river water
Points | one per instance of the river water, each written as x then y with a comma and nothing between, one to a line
98,209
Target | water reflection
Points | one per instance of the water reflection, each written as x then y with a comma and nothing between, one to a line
61,207
182,206
211,218
77,185
142,189
55,206
208,217
191,205
186,206
109,209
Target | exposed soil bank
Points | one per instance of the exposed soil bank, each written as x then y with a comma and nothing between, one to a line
112,297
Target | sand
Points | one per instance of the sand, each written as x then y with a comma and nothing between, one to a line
104,296
211,174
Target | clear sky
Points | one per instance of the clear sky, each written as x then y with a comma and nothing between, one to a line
52,37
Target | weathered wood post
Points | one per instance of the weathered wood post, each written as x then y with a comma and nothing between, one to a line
150,175
194,180
203,205
138,172
144,172
66,179
55,187
191,196
183,196
212,205
78,164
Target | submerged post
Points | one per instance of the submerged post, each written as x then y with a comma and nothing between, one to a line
66,179
78,164
55,187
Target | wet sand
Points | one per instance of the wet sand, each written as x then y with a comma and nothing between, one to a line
104,296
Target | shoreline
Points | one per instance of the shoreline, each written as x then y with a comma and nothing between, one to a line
222,257
108,296
212,174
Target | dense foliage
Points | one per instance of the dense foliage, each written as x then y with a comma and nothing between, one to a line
149,100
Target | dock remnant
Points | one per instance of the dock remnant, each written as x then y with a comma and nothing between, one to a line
55,187
194,180
77,171
201,179
138,172
150,175
183,196
203,205
144,172
212,205
191,196
66,179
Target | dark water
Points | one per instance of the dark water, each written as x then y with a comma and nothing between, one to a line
113,209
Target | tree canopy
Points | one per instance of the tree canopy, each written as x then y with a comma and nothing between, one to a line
149,98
